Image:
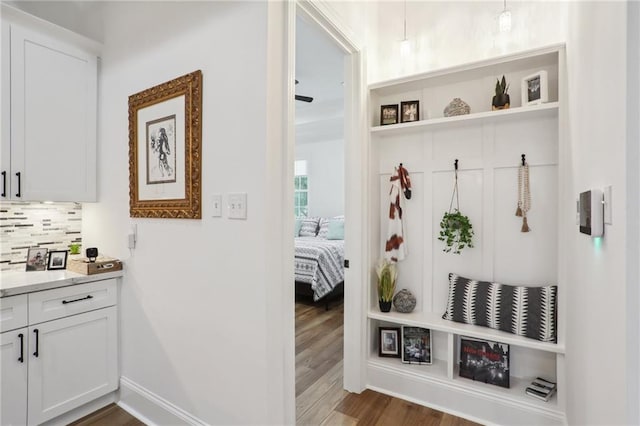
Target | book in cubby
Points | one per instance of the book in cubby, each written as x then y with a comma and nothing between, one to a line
484,361
541,389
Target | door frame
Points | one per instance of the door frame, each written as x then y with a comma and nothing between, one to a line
356,196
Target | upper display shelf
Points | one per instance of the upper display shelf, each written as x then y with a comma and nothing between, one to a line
530,81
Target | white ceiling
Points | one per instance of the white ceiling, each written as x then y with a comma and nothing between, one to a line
320,71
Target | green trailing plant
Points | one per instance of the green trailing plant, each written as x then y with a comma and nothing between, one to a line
502,88
455,228
456,231
387,274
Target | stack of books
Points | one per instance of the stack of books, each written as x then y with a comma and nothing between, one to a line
541,389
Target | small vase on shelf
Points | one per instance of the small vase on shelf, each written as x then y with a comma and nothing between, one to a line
385,306
501,100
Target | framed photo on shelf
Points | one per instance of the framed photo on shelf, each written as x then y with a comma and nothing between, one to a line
57,260
389,342
409,111
416,345
484,361
535,89
36,259
388,114
165,137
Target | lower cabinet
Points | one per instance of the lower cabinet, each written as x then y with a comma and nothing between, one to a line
13,385
52,367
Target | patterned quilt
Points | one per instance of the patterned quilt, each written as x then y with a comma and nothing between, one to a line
319,262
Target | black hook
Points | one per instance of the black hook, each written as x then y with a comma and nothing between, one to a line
456,164
523,159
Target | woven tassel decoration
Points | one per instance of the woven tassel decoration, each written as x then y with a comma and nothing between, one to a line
524,195
519,212
525,225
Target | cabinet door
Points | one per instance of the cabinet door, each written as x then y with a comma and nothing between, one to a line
13,370
5,115
72,361
53,119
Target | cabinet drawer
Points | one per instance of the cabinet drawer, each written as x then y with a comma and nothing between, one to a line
65,301
13,312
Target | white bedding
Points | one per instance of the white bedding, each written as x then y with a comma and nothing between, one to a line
319,262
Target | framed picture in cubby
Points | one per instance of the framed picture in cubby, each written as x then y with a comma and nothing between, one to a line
484,361
409,111
535,89
389,342
388,114
416,345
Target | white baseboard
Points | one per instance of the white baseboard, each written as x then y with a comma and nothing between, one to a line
83,410
151,408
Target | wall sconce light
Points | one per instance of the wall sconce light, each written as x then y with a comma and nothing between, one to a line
504,20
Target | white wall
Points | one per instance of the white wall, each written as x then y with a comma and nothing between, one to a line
195,324
596,320
444,33
325,168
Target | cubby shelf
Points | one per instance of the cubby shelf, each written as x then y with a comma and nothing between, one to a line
438,372
434,321
548,109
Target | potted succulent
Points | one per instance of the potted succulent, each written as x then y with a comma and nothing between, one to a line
387,274
501,99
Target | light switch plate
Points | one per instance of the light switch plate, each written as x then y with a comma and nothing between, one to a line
237,205
216,205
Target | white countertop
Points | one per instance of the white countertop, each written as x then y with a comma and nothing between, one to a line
15,282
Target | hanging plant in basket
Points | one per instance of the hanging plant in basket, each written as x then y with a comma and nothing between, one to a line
455,228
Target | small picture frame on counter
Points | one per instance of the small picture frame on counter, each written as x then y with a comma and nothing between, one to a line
388,114
57,260
409,111
36,259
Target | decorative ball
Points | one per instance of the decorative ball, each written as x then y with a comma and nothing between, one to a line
457,107
404,301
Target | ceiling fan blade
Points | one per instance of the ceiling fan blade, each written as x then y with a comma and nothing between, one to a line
304,98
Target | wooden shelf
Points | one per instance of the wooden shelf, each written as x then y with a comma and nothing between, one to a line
434,321
548,109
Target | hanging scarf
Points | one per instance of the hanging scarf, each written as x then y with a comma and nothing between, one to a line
395,248
524,196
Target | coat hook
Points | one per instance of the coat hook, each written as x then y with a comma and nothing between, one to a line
456,164
523,159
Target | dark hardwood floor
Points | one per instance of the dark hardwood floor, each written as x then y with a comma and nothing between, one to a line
320,399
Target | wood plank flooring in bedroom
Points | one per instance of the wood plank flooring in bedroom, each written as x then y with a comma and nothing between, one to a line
320,399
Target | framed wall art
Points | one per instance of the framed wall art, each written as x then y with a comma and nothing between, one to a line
165,143
535,89
416,345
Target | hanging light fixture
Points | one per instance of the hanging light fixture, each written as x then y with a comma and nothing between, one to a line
405,45
504,20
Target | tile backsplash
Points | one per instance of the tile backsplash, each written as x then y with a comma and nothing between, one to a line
22,225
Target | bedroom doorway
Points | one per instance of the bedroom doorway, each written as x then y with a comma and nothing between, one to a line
319,209
324,111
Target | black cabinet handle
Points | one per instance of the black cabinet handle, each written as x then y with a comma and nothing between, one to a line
21,336
19,184
4,184
64,302
37,343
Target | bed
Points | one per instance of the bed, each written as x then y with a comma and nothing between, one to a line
319,266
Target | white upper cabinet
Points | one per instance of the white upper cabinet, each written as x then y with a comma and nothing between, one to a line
49,124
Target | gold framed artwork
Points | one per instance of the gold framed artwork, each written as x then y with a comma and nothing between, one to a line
165,144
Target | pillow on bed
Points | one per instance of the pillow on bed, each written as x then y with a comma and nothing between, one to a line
323,232
296,231
336,230
309,227
525,311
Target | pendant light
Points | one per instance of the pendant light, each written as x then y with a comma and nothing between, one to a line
504,20
405,45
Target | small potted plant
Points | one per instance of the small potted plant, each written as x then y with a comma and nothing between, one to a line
387,274
501,100
456,231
